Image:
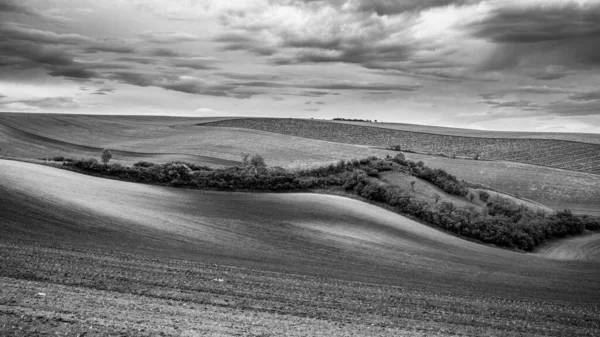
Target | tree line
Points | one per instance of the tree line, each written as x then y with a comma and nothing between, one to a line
498,221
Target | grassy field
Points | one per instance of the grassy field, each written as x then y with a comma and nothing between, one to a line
163,139
76,250
592,138
160,139
557,189
576,156
586,248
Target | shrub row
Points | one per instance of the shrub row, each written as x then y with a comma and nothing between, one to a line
501,221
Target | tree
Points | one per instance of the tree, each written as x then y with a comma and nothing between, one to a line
412,185
245,157
106,156
436,197
257,161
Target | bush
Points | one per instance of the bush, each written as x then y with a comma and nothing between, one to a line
106,156
484,196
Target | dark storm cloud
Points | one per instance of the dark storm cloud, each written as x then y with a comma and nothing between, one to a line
539,23
586,96
564,35
27,54
74,72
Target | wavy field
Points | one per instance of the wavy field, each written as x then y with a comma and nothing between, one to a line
296,263
582,248
162,139
576,156
592,138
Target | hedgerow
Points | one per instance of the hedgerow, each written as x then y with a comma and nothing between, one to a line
501,221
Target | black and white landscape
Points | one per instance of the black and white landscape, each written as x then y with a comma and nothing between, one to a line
299,168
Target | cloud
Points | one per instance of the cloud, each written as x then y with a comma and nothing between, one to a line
37,104
103,91
347,85
185,84
138,60
198,86
408,37
198,63
587,108
23,33
74,73
14,31
28,53
316,93
520,105
586,96
168,37
540,21
110,45
532,89
252,77
136,78
243,41
535,36
393,7
18,7
164,52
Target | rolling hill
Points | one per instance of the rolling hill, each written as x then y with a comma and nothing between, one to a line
324,261
570,155
163,139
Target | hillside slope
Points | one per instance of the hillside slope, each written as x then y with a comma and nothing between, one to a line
592,138
282,231
576,156
162,139
75,248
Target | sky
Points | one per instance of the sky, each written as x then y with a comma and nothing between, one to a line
525,65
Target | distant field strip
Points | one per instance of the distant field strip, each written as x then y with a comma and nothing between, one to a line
569,155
